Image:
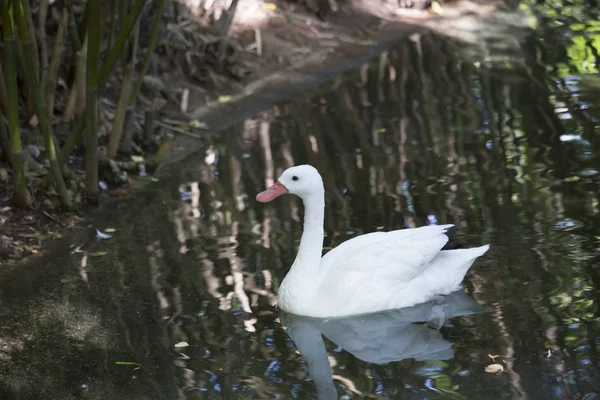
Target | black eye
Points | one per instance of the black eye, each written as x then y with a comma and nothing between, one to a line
294,178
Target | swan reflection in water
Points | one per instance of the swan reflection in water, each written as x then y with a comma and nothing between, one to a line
378,338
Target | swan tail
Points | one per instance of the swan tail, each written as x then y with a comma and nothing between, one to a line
449,268
470,254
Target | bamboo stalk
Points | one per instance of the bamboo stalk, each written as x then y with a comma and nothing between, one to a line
43,63
59,46
79,127
92,80
4,137
72,139
74,136
36,57
73,31
103,16
83,25
123,20
20,195
76,101
123,14
76,47
107,68
122,108
34,45
3,98
34,85
148,55
148,126
128,127
113,53
111,26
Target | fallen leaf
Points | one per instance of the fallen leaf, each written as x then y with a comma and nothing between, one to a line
270,6
98,254
289,17
494,368
137,159
36,235
33,122
100,235
162,149
197,124
437,8
572,179
71,220
110,230
185,100
31,249
153,179
182,344
128,363
368,42
224,99
493,357
125,195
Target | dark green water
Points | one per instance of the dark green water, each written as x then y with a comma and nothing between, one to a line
499,138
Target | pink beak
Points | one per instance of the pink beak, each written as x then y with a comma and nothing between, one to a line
271,193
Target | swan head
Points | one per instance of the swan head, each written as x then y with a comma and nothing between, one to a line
301,180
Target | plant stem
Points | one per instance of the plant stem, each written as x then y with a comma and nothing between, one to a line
34,85
43,63
91,156
34,45
117,130
20,195
4,138
3,98
76,101
148,55
59,46
83,25
72,139
113,53
111,26
73,33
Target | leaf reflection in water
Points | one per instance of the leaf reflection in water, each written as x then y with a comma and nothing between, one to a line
379,338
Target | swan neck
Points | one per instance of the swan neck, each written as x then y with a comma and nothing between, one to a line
311,243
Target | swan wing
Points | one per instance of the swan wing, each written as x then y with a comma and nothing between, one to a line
399,255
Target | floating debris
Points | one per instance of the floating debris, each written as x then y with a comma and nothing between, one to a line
494,368
101,235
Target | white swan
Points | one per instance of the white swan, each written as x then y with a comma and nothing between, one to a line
366,274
